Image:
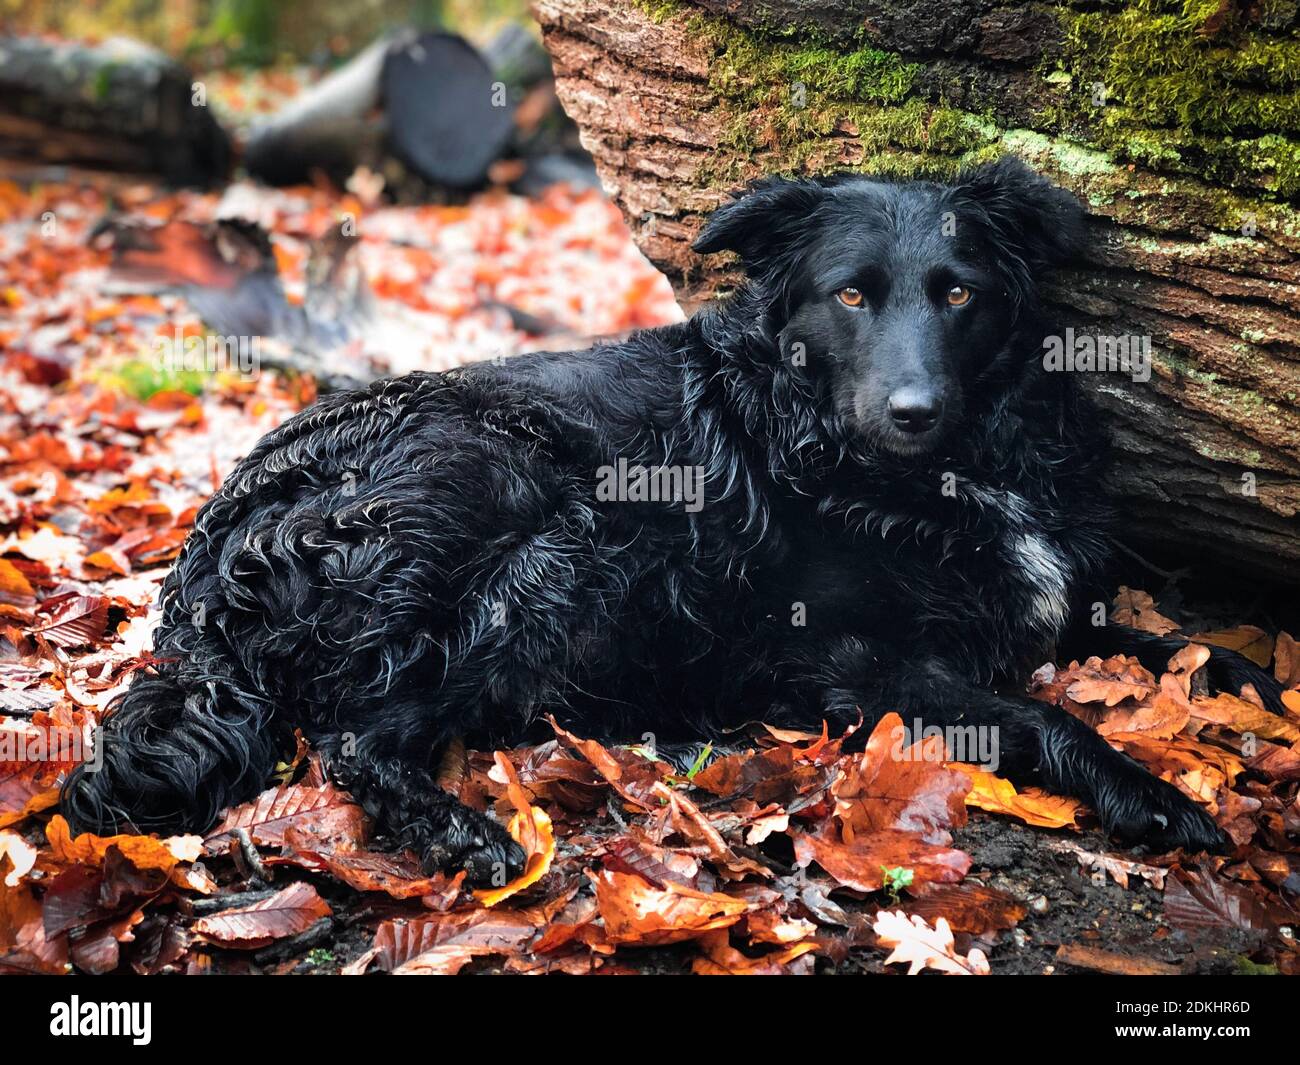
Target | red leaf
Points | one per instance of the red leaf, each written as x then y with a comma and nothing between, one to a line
284,914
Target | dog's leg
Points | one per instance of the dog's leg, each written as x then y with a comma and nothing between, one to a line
408,805
1034,743
1227,670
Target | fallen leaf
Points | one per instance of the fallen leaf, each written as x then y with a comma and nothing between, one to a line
444,943
637,913
1244,717
531,829
329,814
1248,640
286,913
722,959
1202,901
968,907
144,852
1286,661
861,865
1138,611
1117,868
21,856
919,946
896,787
1032,806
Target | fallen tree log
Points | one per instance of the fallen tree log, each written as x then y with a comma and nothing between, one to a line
1177,125
120,105
426,98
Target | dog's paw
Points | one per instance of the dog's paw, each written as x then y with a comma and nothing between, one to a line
1146,810
476,843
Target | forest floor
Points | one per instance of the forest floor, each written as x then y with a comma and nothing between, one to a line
785,855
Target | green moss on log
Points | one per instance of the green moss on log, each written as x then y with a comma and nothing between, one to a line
1230,88
1187,88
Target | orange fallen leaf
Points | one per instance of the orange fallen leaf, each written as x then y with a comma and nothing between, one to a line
1111,682
1248,640
530,828
722,959
1032,806
144,852
15,589
890,786
533,824
639,914
1162,717
861,864
1244,717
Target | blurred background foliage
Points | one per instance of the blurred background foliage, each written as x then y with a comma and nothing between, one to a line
254,32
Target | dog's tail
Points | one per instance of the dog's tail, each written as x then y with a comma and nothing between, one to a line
170,757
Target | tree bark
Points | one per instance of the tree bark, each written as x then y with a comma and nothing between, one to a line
1177,125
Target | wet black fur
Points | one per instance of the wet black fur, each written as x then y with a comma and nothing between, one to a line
428,557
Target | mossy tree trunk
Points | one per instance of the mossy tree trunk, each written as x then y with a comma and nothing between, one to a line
1176,123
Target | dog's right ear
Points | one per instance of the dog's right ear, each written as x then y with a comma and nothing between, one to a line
764,222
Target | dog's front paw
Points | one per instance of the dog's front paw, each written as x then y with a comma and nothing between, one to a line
466,839
1146,810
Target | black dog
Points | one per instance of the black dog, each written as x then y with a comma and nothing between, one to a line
852,488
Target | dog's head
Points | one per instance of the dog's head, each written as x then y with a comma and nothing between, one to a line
910,297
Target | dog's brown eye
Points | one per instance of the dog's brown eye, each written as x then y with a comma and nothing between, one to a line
850,297
958,296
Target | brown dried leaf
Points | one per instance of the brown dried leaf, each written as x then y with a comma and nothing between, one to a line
722,959
969,907
327,813
861,864
638,914
1244,717
890,786
1286,661
444,943
284,914
1248,640
1138,610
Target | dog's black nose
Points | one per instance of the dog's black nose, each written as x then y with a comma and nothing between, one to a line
914,410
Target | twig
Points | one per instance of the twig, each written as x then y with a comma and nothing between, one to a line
1102,961
1171,576
251,864
217,903
320,931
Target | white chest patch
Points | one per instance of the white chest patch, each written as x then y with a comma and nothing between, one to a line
1040,564
1046,569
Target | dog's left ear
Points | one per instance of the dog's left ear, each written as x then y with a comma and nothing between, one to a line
1044,223
764,223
